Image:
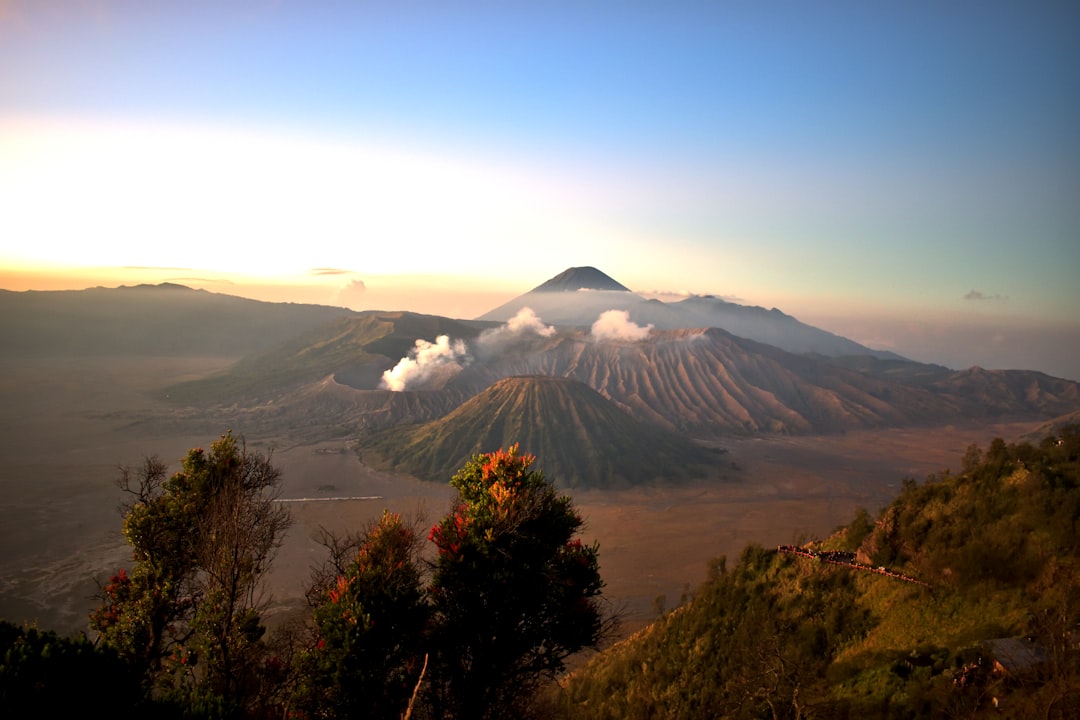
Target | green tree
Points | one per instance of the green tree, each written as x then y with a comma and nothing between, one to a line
369,617
514,594
187,616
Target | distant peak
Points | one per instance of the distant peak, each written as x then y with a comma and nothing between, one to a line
580,278
159,286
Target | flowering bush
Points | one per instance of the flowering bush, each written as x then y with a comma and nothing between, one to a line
514,593
368,626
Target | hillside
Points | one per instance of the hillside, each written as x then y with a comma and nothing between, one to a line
579,438
354,350
996,391
958,598
150,320
708,383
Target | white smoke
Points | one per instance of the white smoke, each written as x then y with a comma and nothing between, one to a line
617,325
425,362
431,364
516,329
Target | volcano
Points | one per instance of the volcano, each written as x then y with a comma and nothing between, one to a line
580,438
580,278
578,296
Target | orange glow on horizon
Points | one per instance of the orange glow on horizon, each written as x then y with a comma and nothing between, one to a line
414,293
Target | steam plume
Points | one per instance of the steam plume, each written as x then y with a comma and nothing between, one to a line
426,362
617,325
525,323
429,363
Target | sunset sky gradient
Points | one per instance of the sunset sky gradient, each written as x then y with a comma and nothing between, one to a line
904,174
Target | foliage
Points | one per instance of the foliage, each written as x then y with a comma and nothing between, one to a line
513,592
785,636
369,620
997,522
508,597
187,616
45,675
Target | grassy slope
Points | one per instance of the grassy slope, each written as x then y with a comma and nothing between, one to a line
784,634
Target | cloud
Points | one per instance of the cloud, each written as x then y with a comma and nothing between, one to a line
516,330
978,295
677,295
427,363
351,294
154,267
329,271
616,325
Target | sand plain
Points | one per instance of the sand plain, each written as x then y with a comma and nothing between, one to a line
66,426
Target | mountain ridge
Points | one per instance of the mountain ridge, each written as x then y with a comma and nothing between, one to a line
704,383
165,319
596,293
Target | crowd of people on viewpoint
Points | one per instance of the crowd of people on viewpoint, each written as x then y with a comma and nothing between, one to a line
846,559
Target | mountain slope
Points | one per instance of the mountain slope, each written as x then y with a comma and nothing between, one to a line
164,319
768,326
1000,392
355,350
704,383
709,383
580,278
577,297
580,439
837,628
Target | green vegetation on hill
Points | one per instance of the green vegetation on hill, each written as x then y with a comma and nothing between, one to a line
779,635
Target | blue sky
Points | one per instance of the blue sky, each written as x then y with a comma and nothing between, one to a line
906,174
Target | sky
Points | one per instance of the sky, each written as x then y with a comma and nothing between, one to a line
903,174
